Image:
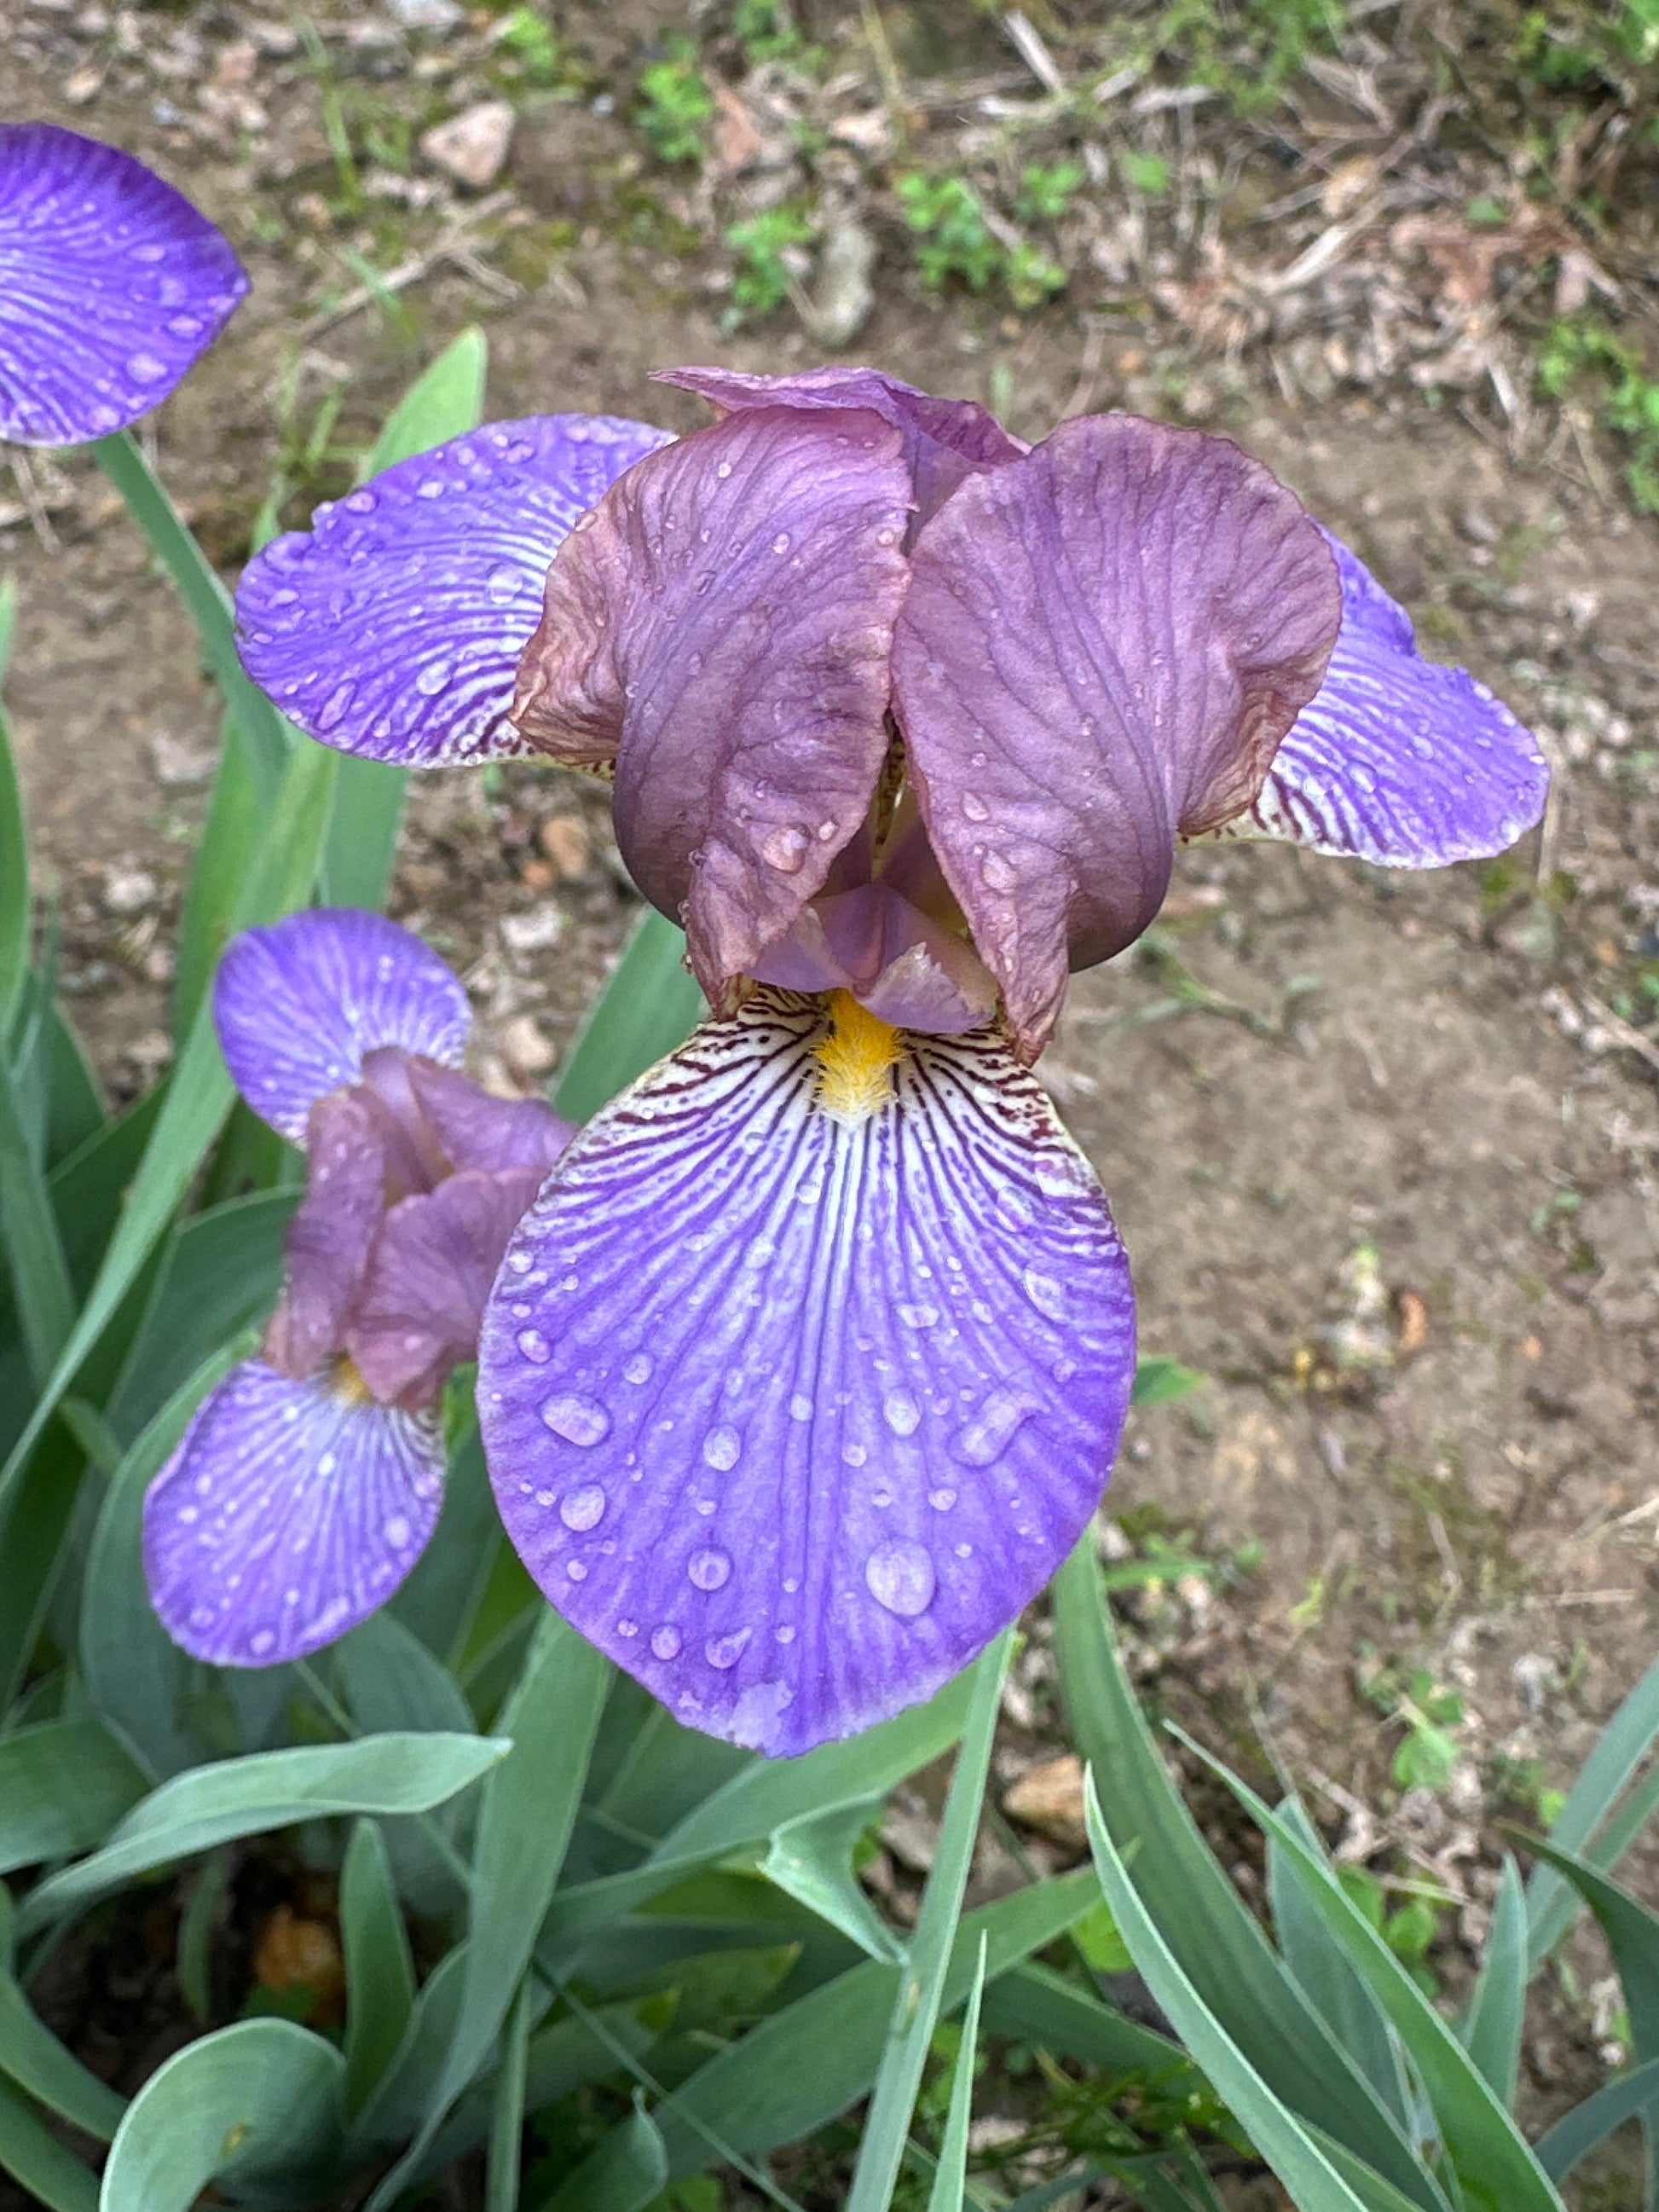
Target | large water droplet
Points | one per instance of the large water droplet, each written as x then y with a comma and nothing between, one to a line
721,1448
998,872
1046,1294
709,1570
637,1367
986,1437
535,1346
785,850
974,807
724,1652
900,1412
901,1576
582,1509
578,1420
431,679
502,584
665,1641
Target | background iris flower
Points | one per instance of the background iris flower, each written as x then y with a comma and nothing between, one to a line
112,286
310,1479
808,1367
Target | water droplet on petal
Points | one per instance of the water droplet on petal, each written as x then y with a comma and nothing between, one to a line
900,1577
578,1420
998,872
638,1367
724,1652
397,1532
709,1570
535,1346
665,1641
145,368
900,1412
1047,1295
974,807
721,1448
801,1409
941,1500
918,1317
785,850
583,1509
431,679
501,584
986,1437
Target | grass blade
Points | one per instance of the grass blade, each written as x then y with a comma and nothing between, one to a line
64,1785
34,1253
1576,2133
649,1005
1552,1905
951,2180
32,2156
921,1981
1492,2030
15,911
379,1971
506,2115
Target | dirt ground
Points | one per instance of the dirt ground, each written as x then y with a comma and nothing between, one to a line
1385,1153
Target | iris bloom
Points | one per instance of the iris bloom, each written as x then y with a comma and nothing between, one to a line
112,285
309,1480
810,1362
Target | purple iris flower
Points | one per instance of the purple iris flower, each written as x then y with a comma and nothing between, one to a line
112,285
809,1365
309,1480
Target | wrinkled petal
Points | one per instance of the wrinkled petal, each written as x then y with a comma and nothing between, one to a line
429,1276
897,961
1102,645
328,1240
720,626
288,1512
1399,760
394,626
944,440
112,286
807,1368
479,1131
300,1004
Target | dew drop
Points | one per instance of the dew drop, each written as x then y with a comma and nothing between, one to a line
398,1533
1047,1295
665,1641
145,368
582,1509
501,584
261,1642
986,1437
723,1651
709,1570
723,470
578,1420
575,1570
785,850
854,1455
900,1412
780,543
431,679
974,807
900,1577
721,1448
638,1367
919,1316
941,1500
535,1346
998,872
801,1409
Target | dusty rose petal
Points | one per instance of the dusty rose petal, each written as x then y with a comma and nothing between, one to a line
906,969
479,1131
328,1240
719,626
1101,647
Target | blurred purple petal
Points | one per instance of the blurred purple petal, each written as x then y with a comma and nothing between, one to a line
429,1276
288,1512
1399,760
725,619
944,440
112,285
299,1004
392,627
1103,644
796,1386
479,1131
328,1240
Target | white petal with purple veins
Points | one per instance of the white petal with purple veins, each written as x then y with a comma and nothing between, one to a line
772,1411
392,627
299,1004
289,1512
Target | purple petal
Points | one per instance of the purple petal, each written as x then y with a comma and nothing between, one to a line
1399,760
897,961
288,1512
112,285
299,1004
393,627
721,626
807,1368
329,1238
429,1276
479,1131
1103,644
944,440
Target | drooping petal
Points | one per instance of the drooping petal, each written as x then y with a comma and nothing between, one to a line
299,1004
899,963
1398,760
720,626
807,1368
288,1512
394,626
328,1240
944,440
479,1131
430,1273
112,285
1103,644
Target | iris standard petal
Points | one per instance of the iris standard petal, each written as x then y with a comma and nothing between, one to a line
807,1368
394,626
944,440
477,1130
327,1246
112,285
1102,645
720,627
428,1275
1399,760
299,1004
288,1512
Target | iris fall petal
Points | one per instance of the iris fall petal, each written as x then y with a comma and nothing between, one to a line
299,1004
392,627
807,1368
112,285
288,1512
1398,760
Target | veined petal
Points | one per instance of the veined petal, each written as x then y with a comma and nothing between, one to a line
944,440
807,1368
394,626
288,1512
428,1275
328,1240
299,1004
1398,760
112,285
1103,644
720,626
477,1130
